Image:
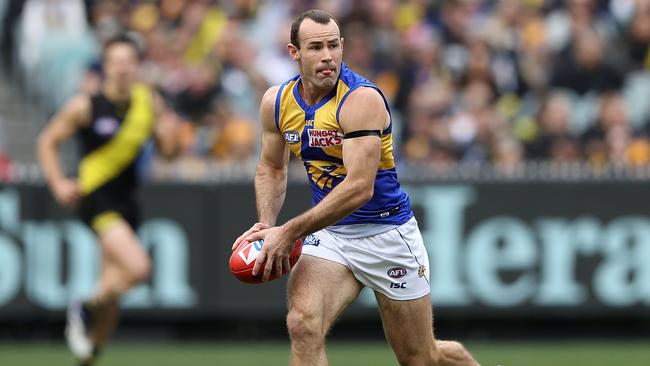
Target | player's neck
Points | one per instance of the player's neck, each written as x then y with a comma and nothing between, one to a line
115,93
311,94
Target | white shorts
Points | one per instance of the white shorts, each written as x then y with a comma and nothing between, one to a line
394,262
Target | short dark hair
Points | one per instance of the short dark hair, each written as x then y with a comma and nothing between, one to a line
122,39
317,15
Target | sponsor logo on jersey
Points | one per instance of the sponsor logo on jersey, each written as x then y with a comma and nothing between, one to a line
250,252
324,138
311,240
398,285
292,137
106,126
397,272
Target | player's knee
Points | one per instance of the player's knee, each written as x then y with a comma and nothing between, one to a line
139,270
412,356
452,350
303,326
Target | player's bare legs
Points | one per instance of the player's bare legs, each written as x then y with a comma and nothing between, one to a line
319,290
124,264
409,330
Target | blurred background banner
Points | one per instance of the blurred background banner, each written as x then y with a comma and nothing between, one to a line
511,250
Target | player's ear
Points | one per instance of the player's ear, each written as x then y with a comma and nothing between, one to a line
293,51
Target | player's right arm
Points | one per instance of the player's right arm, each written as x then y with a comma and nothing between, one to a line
271,173
61,127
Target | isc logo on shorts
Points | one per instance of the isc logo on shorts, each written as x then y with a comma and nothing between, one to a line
324,138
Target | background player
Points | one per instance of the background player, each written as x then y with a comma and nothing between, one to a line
363,228
113,126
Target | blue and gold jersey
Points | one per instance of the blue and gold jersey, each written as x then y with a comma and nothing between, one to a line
314,136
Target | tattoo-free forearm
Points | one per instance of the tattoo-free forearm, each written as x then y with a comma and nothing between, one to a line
48,158
270,190
343,200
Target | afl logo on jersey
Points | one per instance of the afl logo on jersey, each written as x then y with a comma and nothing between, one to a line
292,137
106,126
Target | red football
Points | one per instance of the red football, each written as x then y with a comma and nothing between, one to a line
243,260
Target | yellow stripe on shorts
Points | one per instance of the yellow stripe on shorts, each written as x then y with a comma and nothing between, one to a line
104,220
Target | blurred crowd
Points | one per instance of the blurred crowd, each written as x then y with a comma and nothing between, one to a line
469,81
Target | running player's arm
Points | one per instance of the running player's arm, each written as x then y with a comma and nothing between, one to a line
166,128
364,109
74,115
271,173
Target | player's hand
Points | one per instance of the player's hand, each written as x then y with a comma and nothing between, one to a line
275,252
66,192
255,228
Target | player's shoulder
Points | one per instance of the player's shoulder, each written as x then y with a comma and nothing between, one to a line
365,98
80,101
79,107
267,104
270,95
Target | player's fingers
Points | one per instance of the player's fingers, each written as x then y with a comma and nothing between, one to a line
260,226
240,239
70,202
268,267
256,235
259,261
278,267
287,265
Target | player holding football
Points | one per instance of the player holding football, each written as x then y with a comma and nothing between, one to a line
361,230
113,126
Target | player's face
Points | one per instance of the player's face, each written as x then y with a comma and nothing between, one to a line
320,53
121,64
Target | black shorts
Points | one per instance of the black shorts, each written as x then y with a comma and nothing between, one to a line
101,206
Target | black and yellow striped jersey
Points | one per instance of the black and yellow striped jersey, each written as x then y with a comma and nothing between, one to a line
112,142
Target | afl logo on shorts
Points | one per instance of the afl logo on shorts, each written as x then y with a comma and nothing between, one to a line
292,137
397,272
106,126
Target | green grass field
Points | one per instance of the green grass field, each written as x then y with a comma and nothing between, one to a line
373,354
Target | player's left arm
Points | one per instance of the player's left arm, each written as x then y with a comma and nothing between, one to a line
364,110
165,129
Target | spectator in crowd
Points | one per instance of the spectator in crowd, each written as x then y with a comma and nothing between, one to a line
586,67
553,141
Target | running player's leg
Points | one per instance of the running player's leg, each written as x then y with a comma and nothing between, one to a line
124,264
408,325
127,263
319,290
106,308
